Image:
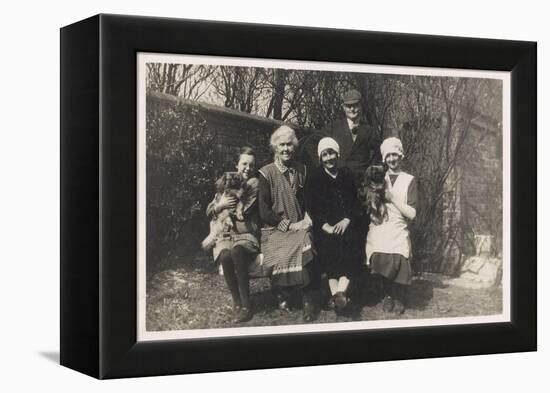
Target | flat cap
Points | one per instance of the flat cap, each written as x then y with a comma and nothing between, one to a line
352,97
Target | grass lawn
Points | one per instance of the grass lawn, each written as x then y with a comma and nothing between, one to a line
186,298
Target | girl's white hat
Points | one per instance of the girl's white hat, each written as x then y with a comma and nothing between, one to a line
391,145
327,143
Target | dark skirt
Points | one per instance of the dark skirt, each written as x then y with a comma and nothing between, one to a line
339,256
394,267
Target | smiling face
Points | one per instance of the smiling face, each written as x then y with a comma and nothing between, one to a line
329,160
246,165
284,148
393,160
352,111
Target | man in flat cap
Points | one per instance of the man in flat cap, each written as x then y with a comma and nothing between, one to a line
359,144
359,148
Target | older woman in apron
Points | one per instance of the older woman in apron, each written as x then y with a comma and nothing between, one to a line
286,240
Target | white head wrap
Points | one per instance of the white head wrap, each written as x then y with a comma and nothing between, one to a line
327,143
391,145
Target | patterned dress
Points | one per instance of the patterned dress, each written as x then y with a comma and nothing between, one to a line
286,252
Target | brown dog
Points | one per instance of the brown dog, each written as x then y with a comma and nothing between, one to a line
373,192
231,184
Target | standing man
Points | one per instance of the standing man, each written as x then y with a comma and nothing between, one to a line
359,148
359,144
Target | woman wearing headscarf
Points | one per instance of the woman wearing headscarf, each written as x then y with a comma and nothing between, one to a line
388,245
335,211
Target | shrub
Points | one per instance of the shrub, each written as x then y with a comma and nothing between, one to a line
181,165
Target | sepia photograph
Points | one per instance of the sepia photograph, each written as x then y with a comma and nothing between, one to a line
279,197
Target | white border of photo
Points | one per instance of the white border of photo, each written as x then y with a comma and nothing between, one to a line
144,335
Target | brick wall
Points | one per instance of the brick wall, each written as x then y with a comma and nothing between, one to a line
474,205
482,184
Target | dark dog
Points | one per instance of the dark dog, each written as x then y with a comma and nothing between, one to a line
373,192
230,184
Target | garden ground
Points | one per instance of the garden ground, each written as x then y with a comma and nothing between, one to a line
197,298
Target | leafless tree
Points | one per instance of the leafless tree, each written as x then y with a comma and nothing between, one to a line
242,88
184,80
440,112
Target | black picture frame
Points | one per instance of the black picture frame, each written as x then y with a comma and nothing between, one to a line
98,196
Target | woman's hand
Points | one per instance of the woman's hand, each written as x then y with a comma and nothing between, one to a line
407,211
303,225
307,221
341,226
328,229
226,202
295,226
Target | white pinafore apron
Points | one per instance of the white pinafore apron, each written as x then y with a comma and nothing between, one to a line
392,235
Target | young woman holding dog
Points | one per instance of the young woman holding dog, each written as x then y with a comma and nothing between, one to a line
388,245
236,250
335,211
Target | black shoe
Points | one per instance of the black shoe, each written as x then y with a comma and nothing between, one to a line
398,307
282,302
308,311
283,306
388,304
244,315
341,301
332,302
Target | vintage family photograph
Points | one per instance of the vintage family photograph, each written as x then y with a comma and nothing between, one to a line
280,196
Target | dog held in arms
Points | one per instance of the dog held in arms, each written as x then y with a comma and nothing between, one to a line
373,193
230,184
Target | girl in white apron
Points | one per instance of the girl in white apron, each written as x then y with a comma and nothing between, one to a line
388,245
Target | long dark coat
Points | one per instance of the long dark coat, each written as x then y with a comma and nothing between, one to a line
358,155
